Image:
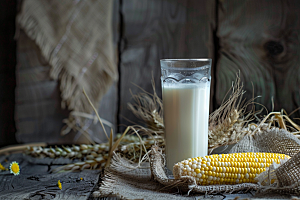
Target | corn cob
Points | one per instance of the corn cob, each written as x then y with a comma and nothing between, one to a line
226,168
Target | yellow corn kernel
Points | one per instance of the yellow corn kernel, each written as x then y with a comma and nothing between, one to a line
227,168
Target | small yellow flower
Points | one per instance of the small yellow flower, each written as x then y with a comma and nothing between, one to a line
1,167
81,178
59,184
14,168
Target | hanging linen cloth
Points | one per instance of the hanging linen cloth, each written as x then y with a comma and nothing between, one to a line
75,37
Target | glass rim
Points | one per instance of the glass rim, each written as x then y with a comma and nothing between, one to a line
188,59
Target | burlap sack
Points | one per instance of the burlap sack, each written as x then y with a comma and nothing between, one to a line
75,38
130,181
271,140
127,181
189,183
284,179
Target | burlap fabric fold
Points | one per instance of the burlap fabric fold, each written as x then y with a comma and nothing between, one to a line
286,178
271,140
125,180
128,181
188,184
75,37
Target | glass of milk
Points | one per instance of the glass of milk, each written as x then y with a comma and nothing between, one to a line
185,94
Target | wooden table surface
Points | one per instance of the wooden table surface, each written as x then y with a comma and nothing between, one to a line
36,181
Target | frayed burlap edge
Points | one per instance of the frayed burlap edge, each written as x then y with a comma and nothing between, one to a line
283,178
95,82
272,140
188,183
129,180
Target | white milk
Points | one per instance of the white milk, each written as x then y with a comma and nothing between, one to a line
186,110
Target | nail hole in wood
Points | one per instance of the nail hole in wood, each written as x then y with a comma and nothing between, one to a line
273,48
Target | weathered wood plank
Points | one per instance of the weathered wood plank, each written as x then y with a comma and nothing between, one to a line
261,39
154,30
108,111
38,111
35,181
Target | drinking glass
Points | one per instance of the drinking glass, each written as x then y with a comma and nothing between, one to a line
185,93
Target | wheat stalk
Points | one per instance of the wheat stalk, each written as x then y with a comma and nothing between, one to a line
95,156
227,125
149,107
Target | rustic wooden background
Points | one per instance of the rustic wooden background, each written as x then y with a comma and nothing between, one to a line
259,38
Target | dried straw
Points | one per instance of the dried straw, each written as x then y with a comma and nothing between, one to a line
149,107
227,125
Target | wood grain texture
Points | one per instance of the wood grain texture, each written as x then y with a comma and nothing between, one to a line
35,181
38,111
108,111
7,71
153,30
261,39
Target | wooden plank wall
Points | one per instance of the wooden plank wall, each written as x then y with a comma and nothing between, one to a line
261,39
154,30
258,37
